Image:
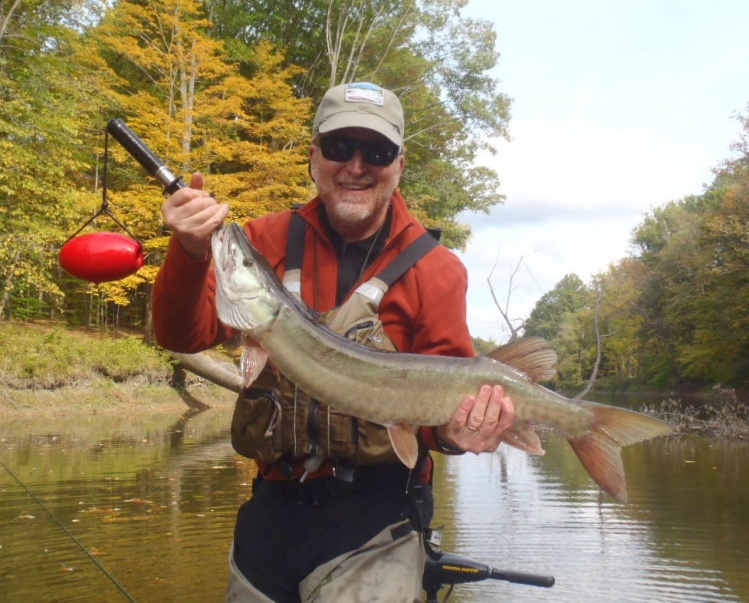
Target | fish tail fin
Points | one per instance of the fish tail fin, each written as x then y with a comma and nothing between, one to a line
599,450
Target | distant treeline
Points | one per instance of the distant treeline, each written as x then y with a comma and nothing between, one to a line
677,310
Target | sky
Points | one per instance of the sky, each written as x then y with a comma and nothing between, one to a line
618,107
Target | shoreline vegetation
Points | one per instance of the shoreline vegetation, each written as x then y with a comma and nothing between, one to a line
47,367
725,415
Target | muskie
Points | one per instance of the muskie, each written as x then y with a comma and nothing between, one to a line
400,390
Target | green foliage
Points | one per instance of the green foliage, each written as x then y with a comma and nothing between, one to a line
697,296
560,317
44,106
225,88
482,346
567,297
436,60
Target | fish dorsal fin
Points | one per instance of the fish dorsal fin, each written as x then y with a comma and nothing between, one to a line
532,355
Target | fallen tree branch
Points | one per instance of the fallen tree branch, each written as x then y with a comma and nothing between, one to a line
220,373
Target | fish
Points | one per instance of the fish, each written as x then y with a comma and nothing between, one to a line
402,390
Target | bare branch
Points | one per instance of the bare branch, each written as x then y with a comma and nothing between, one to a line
505,311
514,331
599,338
6,19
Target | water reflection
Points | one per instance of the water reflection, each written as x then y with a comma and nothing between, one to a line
153,499
684,535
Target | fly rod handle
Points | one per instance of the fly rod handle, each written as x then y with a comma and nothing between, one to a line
143,155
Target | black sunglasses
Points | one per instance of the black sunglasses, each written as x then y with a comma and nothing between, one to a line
378,152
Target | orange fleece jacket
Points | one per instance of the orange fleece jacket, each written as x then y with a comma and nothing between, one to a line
424,312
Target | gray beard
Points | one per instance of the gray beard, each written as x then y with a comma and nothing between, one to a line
355,217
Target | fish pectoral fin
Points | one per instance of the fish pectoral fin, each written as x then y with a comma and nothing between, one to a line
403,441
524,437
600,449
253,361
532,355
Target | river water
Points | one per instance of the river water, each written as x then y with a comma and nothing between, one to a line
140,507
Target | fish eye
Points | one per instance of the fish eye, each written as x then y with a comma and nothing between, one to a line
247,262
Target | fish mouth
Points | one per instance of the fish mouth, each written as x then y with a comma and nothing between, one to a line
243,299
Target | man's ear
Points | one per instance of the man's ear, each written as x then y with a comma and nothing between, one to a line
312,151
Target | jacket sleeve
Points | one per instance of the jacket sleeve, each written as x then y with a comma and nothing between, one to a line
184,308
441,324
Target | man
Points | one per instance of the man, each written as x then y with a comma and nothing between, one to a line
332,517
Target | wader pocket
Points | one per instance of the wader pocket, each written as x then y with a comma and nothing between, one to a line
255,431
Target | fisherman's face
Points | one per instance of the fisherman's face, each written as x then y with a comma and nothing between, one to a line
356,193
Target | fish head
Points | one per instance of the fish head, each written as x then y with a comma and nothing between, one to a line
247,288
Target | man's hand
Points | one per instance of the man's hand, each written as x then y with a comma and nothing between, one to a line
192,215
480,421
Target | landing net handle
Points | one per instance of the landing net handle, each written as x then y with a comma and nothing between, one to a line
448,569
143,155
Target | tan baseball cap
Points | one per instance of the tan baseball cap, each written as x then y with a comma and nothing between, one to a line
360,105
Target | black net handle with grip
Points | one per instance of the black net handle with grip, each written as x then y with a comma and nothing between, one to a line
145,156
522,578
443,569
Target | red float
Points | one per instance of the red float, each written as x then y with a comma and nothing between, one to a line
100,257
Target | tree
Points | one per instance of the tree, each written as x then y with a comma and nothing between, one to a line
567,297
199,112
44,114
696,298
621,316
563,317
438,63
176,88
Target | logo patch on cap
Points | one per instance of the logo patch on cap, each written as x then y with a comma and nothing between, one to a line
365,93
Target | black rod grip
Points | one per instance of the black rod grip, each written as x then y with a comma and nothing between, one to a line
143,155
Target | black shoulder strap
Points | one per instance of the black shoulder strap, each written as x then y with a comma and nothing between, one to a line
388,275
407,258
295,243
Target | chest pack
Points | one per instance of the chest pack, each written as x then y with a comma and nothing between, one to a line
274,420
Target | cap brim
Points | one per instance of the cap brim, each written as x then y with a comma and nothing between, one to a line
357,119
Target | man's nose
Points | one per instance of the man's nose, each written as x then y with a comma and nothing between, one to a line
357,165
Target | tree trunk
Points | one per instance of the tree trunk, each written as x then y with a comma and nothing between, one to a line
597,363
219,373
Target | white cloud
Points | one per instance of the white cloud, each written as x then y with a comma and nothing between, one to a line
573,199
616,108
574,169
